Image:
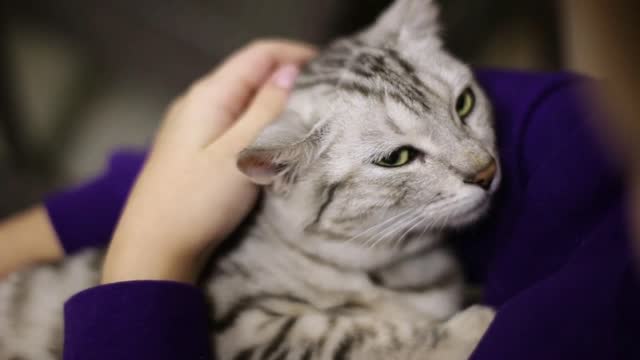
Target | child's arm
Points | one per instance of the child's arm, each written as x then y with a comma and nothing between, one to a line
85,215
27,238
70,220
187,198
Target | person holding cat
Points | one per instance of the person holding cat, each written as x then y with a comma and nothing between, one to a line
108,319
545,271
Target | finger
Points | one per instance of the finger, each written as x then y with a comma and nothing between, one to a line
228,90
217,100
266,106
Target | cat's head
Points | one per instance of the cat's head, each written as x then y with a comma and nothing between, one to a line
385,136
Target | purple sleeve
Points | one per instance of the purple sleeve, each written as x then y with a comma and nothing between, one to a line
137,320
128,320
555,255
86,215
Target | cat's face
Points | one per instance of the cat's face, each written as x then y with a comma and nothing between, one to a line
386,136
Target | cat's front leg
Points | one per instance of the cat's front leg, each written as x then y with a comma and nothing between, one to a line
454,339
271,326
285,328
459,336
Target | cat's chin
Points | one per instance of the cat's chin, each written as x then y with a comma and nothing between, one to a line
468,214
473,215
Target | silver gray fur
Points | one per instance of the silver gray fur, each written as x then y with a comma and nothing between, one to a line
344,260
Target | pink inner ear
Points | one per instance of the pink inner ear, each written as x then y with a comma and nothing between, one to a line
259,168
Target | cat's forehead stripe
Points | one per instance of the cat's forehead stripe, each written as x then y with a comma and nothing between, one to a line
369,71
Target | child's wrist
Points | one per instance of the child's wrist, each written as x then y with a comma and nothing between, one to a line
28,238
126,264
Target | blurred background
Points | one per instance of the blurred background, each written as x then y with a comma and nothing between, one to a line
83,77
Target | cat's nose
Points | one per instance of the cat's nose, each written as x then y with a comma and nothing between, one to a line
484,177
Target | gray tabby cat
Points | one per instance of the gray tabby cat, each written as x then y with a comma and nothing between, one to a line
386,140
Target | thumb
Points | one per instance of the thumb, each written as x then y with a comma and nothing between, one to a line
264,108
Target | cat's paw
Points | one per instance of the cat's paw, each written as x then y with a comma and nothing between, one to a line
470,324
458,337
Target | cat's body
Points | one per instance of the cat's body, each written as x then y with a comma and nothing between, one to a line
327,311
344,261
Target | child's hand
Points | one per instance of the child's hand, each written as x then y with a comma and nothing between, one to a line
190,195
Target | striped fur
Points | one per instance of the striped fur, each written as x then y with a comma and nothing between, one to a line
345,258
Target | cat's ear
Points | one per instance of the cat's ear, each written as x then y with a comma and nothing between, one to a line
406,22
279,151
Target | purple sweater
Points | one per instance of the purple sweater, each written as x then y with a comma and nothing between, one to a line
553,255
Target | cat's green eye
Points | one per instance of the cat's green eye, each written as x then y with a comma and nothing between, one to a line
465,103
398,157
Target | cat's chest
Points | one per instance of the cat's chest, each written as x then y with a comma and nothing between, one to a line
260,270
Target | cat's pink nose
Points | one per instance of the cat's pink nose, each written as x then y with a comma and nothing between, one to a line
484,177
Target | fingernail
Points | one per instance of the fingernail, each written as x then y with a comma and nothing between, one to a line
285,76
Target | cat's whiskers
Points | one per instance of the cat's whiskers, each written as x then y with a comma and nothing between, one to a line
424,230
458,209
416,216
391,229
398,242
409,226
389,233
377,226
438,223
374,237
446,220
